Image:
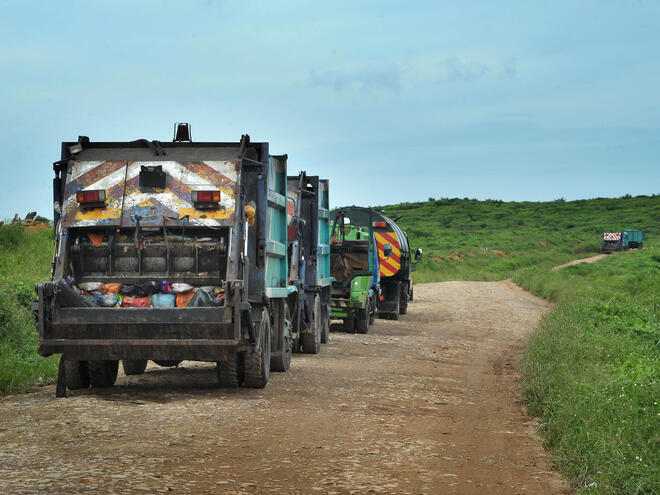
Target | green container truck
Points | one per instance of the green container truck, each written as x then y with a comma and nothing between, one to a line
621,241
354,265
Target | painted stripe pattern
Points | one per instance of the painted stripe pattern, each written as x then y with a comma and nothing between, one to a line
340,303
612,236
388,266
124,199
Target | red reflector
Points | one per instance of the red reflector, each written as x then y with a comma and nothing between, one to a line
91,196
206,196
381,297
379,224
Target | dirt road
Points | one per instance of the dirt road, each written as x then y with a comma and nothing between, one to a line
590,259
428,404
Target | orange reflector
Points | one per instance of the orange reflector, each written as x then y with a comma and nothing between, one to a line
381,297
379,224
91,196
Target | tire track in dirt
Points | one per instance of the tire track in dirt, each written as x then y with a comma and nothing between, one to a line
428,404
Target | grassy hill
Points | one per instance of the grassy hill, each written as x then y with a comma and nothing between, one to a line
25,257
488,240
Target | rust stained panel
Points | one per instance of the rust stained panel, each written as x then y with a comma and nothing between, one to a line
109,176
175,200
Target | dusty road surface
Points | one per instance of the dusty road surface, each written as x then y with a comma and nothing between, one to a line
590,259
428,404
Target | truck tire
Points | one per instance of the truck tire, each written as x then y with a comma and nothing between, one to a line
76,374
102,373
134,366
281,359
325,327
374,305
349,325
166,364
403,304
257,361
395,315
362,319
230,373
311,341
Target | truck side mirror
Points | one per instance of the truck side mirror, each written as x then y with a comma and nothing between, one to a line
387,250
418,254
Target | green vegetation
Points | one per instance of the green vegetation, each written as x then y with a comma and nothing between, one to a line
592,374
466,239
25,257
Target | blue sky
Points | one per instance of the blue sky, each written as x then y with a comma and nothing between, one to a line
391,101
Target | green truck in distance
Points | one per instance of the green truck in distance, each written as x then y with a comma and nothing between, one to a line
354,265
621,241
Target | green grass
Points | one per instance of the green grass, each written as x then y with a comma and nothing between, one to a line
592,374
25,258
466,239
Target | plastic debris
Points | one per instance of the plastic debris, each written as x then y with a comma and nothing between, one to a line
136,302
178,288
183,298
112,288
90,286
97,239
163,300
109,300
165,287
201,299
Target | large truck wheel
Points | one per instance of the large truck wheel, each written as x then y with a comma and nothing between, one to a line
76,374
230,372
325,327
281,359
311,341
257,360
349,324
102,373
373,311
395,314
362,319
403,304
134,366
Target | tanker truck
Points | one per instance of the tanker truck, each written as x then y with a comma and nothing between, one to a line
394,260
166,251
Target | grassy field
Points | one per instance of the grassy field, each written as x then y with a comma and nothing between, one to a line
592,371
467,239
25,258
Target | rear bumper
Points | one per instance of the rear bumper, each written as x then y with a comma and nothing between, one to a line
204,334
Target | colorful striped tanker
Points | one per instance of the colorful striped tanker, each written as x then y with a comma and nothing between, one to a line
394,260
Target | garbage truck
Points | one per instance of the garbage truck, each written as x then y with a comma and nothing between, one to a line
166,251
396,266
621,241
308,254
354,266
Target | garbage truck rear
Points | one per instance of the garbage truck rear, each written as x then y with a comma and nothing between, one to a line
165,251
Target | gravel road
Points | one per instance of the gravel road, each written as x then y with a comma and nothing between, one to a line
428,404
